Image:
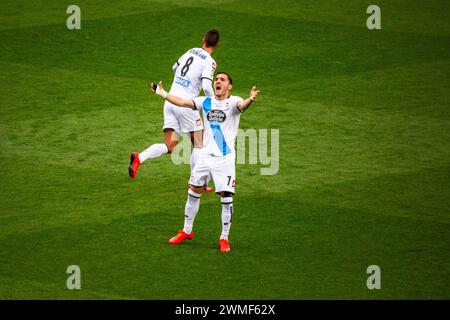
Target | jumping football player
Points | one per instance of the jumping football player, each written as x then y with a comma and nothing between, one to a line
221,115
193,71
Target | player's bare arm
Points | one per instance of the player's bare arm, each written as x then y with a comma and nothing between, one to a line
159,90
243,105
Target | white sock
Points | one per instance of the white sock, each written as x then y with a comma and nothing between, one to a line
154,151
191,209
194,157
227,216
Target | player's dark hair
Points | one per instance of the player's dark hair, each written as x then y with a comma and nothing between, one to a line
225,73
211,38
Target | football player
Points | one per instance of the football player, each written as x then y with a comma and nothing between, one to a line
194,71
221,115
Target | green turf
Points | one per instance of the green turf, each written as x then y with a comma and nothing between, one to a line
364,171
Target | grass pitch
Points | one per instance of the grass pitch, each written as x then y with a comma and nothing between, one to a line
364,173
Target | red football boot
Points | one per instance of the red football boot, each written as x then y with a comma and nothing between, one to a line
224,245
134,165
180,237
207,189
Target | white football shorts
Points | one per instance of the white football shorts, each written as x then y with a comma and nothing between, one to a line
181,119
221,169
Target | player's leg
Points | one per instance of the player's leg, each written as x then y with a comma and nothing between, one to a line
226,199
191,208
191,124
171,131
223,174
171,137
158,149
192,203
197,144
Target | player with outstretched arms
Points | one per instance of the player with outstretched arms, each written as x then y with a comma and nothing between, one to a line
221,115
194,71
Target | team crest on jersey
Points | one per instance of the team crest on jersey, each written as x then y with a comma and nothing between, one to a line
216,116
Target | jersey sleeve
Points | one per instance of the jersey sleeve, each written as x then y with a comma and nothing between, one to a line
235,108
175,67
207,87
198,102
177,63
208,69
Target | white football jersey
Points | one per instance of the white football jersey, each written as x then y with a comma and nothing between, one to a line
195,65
221,123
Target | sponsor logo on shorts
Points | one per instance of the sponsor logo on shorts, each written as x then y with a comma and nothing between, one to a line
216,116
198,122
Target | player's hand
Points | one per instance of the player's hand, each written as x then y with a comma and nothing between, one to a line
153,87
253,93
158,89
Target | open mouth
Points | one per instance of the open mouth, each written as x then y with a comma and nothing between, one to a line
218,87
